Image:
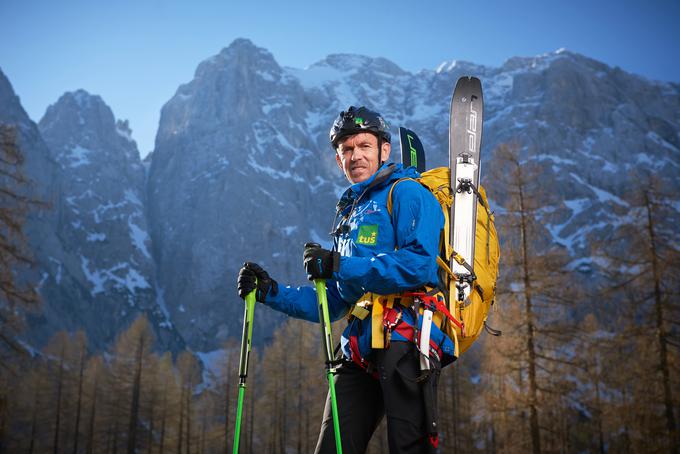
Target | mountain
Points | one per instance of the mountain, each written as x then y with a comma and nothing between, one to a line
90,243
242,167
242,170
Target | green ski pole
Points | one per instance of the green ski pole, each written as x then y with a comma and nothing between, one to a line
325,321
246,340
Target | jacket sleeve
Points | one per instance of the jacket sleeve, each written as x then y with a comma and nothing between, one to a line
301,302
417,219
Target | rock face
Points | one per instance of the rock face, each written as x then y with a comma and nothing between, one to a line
102,219
90,244
242,166
242,170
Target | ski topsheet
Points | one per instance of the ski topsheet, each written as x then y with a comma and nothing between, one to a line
465,134
412,151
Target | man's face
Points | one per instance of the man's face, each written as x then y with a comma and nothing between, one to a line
357,156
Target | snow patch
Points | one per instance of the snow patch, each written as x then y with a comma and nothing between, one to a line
139,238
602,195
131,197
132,280
272,172
267,75
213,365
94,237
77,157
125,134
95,278
553,158
160,302
319,76
57,278
289,229
657,139
103,208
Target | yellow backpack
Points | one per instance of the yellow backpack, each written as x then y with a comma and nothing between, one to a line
470,315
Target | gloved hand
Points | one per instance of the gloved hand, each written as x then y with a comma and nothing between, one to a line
320,263
247,282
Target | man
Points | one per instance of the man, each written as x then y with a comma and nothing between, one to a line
376,257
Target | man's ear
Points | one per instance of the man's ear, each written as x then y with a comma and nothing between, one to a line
339,161
385,152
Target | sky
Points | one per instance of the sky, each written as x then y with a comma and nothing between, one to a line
135,54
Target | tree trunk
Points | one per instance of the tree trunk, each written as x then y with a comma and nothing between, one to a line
60,377
93,410
164,416
134,406
531,349
661,334
34,424
181,421
227,404
188,407
80,399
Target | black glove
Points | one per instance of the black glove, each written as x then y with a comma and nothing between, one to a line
247,282
320,263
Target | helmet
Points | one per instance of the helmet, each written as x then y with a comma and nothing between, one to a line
357,120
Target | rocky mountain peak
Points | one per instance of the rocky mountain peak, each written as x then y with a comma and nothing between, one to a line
11,111
78,111
227,89
241,55
84,122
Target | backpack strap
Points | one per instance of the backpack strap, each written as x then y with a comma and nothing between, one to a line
390,205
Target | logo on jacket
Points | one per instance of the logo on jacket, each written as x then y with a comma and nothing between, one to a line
368,235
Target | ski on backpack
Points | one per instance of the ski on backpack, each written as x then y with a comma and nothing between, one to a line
465,134
412,151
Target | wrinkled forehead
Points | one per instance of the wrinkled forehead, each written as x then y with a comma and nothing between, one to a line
353,140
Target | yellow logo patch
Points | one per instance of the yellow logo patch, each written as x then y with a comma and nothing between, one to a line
368,235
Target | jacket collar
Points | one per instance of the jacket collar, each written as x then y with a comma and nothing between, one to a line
386,174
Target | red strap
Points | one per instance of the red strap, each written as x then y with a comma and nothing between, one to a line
356,356
435,347
406,330
435,303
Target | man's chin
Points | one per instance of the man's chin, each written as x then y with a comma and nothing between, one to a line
358,177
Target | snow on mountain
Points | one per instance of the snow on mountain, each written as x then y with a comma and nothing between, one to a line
242,168
105,243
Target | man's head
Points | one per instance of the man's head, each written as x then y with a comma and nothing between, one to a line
361,140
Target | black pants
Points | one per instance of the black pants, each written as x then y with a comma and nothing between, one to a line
363,401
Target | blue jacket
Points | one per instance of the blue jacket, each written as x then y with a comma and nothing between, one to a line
369,261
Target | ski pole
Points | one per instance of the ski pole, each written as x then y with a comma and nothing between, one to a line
246,340
330,357
325,320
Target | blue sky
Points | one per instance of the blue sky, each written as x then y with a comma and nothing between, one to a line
136,53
